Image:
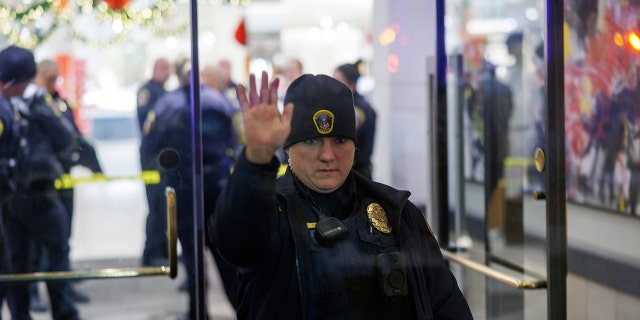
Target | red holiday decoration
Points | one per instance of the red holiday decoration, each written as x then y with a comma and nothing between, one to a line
116,4
241,33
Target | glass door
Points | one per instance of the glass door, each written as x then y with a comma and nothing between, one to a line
505,232
93,214
106,51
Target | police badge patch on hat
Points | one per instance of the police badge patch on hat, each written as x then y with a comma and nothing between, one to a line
378,218
324,121
323,101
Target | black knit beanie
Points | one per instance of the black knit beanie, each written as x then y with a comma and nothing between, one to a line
16,65
323,107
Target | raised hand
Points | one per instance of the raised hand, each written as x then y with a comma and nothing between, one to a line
265,128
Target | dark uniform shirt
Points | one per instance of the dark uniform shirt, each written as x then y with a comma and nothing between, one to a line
9,140
365,134
171,127
347,273
261,226
147,97
9,147
84,153
49,138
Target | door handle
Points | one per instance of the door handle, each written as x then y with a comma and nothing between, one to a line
493,273
107,273
172,231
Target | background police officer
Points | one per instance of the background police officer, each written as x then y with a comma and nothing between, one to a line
349,74
37,211
170,134
10,132
84,154
155,247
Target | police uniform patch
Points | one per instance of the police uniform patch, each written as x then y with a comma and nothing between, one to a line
1,128
378,218
149,121
360,117
143,97
323,120
238,125
62,106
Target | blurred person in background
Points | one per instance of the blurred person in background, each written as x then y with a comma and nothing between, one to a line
229,89
37,213
293,69
349,74
216,78
155,252
170,137
153,89
11,131
84,154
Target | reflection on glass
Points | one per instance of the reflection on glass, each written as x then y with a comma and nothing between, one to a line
499,95
105,51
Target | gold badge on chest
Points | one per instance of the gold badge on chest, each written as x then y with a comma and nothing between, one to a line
378,218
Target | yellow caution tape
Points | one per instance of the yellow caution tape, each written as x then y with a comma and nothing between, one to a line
518,162
66,181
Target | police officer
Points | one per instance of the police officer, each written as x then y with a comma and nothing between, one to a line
170,137
84,154
323,241
153,89
365,118
155,247
37,211
10,137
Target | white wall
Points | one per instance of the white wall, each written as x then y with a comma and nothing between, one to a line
401,97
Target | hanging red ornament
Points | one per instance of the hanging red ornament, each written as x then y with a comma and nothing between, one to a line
241,33
60,5
116,4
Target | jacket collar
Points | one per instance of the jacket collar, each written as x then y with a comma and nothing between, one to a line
391,199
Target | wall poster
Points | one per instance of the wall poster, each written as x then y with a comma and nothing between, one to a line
602,103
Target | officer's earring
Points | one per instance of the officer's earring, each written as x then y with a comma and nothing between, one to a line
289,161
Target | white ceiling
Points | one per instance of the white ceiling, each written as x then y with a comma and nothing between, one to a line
271,16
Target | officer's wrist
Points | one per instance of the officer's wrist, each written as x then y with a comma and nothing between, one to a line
258,156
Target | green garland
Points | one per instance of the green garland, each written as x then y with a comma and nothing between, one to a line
14,19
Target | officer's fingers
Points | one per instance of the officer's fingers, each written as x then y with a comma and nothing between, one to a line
253,92
242,97
273,94
264,88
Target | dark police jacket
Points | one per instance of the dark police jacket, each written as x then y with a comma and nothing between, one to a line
172,128
10,135
49,138
252,229
147,96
